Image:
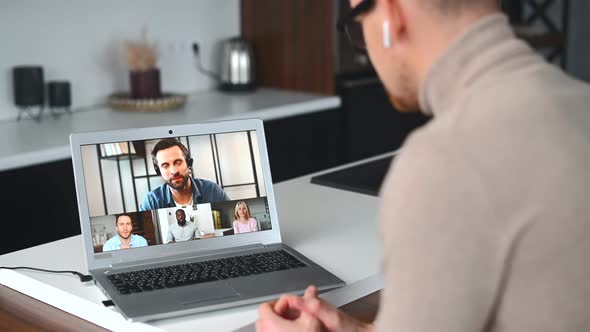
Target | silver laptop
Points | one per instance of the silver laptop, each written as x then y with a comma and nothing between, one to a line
182,219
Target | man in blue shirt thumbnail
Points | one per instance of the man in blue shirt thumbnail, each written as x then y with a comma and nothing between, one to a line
124,239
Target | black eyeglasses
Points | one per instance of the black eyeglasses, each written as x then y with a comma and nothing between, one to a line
353,29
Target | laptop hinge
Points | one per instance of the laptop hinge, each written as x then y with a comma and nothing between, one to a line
179,256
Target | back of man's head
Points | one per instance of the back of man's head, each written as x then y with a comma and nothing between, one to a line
167,143
119,216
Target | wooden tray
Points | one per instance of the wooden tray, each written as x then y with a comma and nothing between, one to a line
123,102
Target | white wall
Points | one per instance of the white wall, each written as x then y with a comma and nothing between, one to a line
80,41
103,228
92,178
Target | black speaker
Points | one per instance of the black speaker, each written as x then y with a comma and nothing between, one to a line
28,86
59,94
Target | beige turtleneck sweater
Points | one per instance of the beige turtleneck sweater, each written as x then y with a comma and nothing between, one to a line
486,211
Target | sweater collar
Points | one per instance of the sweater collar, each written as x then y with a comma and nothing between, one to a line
466,60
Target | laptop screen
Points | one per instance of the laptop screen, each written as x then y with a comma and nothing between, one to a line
175,189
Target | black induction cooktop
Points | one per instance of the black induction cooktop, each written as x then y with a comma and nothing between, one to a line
364,178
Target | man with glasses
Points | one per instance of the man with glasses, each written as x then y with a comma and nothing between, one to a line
485,220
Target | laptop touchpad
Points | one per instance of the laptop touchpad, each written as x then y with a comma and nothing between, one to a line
207,293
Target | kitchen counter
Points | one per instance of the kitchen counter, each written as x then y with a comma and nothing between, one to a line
29,142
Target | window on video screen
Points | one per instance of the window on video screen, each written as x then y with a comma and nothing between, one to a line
153,192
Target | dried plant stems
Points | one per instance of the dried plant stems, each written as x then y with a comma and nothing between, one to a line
140,55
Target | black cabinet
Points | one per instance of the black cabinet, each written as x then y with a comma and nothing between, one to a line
304,144
372,125
40,205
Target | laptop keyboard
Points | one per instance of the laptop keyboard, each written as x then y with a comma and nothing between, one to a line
205,271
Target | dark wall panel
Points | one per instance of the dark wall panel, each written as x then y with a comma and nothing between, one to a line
293,41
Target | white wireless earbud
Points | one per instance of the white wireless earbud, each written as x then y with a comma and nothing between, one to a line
386,34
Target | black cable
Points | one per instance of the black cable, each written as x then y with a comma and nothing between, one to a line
83,277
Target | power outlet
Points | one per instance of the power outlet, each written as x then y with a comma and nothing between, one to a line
196,48
178,47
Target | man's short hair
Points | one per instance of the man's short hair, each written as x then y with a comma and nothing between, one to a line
167,143
181,210
117,216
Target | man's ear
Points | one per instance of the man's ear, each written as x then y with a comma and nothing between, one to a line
393,19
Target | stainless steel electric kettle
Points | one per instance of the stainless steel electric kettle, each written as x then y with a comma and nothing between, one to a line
237,66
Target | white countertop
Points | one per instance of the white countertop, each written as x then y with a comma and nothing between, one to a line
348,246
29,142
